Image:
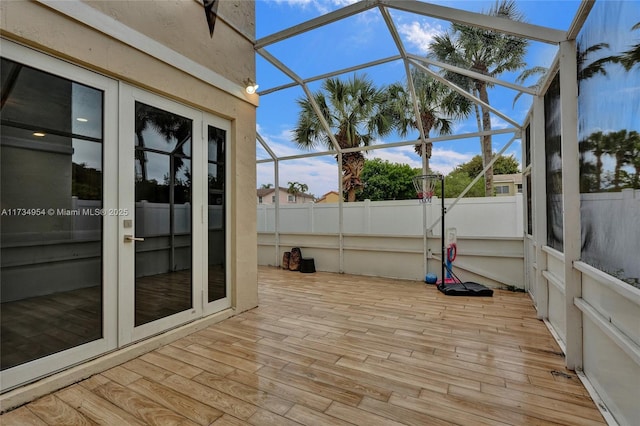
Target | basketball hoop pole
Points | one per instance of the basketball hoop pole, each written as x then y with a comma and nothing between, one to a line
442,278
425,186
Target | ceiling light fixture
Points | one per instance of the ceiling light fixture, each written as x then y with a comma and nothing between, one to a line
82,120
39,134
251,86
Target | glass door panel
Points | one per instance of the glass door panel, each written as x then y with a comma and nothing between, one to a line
163,259
51,242
216,283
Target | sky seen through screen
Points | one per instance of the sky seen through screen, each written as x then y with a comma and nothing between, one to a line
364,38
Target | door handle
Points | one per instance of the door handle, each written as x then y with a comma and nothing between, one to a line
128,238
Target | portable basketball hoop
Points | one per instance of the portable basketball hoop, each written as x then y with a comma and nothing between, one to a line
448,284
425,186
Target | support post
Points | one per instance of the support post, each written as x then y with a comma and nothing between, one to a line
539,208
340,215
571,202
276,179
444,211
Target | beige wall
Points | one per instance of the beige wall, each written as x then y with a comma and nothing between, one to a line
182,27
510,185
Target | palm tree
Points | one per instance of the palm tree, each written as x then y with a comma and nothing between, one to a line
541,72
170,126
631,57
584,71
356,112
296,188
634,156
620,146
486,52
594,68
437,104
596,144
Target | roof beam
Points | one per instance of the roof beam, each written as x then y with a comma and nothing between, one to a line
414,99
466,94
312,24
477,178
433,140
266,146
392,145
494,23
473,74
581,16
332,74
282,67
298,156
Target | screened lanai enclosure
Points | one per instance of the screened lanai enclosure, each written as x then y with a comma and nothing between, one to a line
563,99
139,279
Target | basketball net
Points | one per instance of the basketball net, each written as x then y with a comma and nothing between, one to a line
425,186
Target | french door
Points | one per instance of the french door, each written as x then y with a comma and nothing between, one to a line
113,224
58,252
172,233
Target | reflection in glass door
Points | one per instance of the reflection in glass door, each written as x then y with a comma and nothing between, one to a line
51,195
217,288
163,229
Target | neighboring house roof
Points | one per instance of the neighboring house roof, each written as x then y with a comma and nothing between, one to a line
262,192
303,195
324,197
514,177
265,191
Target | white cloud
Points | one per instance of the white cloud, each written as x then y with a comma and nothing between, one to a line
445,160
322,6
404,155
282,143
320,174
419,35
499,123
442,160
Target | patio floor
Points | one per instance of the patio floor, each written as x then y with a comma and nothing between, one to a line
331,349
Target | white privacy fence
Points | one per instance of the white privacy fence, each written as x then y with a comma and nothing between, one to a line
151,218
472,217
611,232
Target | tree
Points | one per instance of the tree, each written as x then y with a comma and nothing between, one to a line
296,188
634,155
266,186
526,74
631,57
584,72
356,112
594,68
437,104
169,126
387,181
502,166
620,146
595,144
486,52
456,182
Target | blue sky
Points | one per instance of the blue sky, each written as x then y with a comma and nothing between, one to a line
363,38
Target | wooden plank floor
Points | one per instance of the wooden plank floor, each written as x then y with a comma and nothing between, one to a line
330,349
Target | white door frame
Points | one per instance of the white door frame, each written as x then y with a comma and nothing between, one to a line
41,367
225,302
118,195
127,332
